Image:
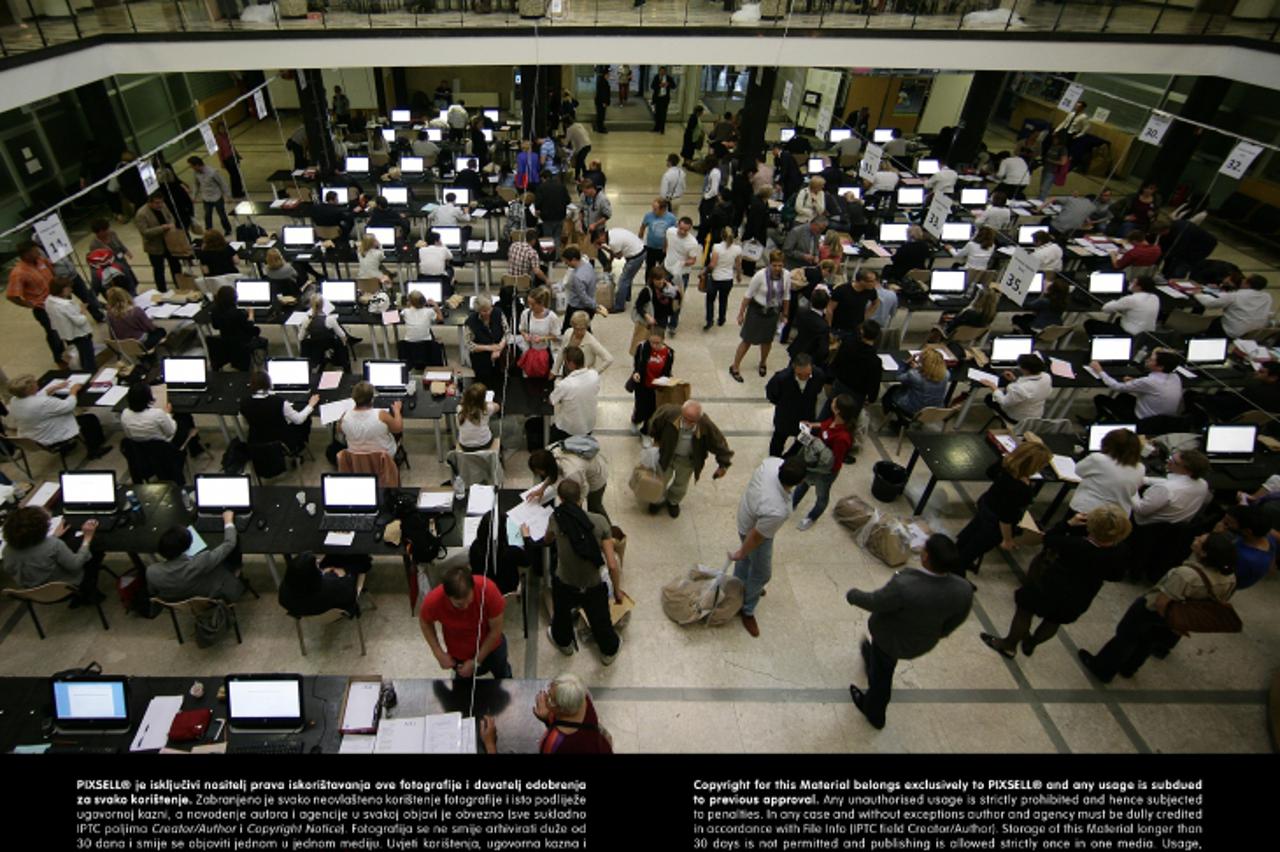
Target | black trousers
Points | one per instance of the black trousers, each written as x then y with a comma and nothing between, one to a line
299,154
84,349
232,165
601,111
1139,632
781,434
594,603
50,336
652,257
660,114
158,262
880,668
1120,408
718,292
1095,327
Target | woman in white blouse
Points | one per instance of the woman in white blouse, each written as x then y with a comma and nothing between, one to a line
417,318
143,421
371,256
1112,475
724,267
997,215
539,327
976,253
368,429
595,356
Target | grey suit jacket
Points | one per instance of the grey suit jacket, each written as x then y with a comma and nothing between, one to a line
202,575
914,610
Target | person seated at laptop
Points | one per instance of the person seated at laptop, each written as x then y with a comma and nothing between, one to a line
216,256
287,279
1159,392
469,178
976,253
1046,253
331,214
371,256
368,429
1025,392
915,253
434,260
981,312
426,149
1141,253
1049,308
1177,497
142,421
449,213
1139,311
572,724
322,338
1245,309
271,419
207,574
922,383
240,337
52,422
469,610
418,317
127,321
473,418
383,215
33,556
312,588
1261,391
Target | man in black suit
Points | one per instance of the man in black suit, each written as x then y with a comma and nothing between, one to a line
469,178
331,214
794,392
602,97
909,614
812,334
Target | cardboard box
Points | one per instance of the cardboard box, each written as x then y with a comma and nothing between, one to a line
647,485
675,393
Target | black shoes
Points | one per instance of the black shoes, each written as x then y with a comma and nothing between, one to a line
98,453
858,697
1091,663
673,509
655,508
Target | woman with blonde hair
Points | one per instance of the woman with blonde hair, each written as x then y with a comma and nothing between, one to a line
976,253
594,355
282,274
922,383
1002,506
723,270
981,312
1065,577
474,412
127,321
322,337
371,256
539,329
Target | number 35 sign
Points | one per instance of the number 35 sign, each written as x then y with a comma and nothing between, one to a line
1018,275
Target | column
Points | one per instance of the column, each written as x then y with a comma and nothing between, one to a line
1181,141
539,89
315,117
755,111
978,106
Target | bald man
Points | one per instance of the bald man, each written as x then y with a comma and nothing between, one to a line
685,436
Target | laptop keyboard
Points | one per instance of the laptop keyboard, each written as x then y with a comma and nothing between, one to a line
213,523
349,523
105,522
285,746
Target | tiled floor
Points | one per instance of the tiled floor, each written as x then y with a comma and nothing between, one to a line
701,689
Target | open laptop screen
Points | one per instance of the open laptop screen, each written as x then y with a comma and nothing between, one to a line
1111,349
349,492
1027,232
184,373
1006,349
1230,440
264,701
216,494
357,165
91,703
1106,282
973,197
401,116
343,194
450,236
956,232
385,236
89,491
891,232
461,196
1098,431
289,373
432,291
386,374
338,292
1207,350
927,167
299,235
411,165
253,293
881,135
948,281
911,196
396,194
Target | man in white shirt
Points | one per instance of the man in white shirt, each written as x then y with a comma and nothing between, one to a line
456,118
52,422
578,140
1178,497
621,244
1139,311
1047,253
70,323
1025,394
1013,176
762,511
681,255
434,260
1076,123
574,398
943,180
672,185
1247,309
449,213
1157,393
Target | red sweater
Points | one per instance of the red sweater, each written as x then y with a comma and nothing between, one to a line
838,439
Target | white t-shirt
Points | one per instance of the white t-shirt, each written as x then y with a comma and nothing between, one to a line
150,424
433,260
366,433
943,180
679,250
885,182
370,264
1048,257
974,255
766,504
995,217
417,323
1139,312
726,257
624,244
547,326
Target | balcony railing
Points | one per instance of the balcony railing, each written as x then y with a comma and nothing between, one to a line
53,22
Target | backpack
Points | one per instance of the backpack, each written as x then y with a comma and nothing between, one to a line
581,445
235,457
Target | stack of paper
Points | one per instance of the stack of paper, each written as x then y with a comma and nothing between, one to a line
436,376
332,412
442,733
536,517
474,246
435,501
480,499
339,539
111,397
1065,468
470,526
188,310
887,361
489,246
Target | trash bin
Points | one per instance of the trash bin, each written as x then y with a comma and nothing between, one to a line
888,481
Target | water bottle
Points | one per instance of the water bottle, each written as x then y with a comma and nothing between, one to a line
135,505
459,489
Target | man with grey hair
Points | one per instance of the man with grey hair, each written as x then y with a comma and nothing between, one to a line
685,436
801,244
572,724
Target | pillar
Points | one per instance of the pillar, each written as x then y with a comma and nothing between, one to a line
1181,140
979,103
539,92
315,118
755,111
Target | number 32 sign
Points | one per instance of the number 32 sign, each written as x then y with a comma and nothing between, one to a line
1241,157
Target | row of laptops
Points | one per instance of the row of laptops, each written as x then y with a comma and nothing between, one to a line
358,164
1105,349
288,375
343,294
396,195
261,703
349,501
959,232
838,134
303,237
401,115
1223,443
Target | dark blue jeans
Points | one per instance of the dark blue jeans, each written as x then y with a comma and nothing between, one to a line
821,483
496,663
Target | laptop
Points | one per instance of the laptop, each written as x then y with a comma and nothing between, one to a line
491,114
340,294
893,232
356,165
396,195
298,236
881,135
443,115
839,134
350,502
1230,444
218,493
1037,283
184,374
432,291
460,163
1098,431
265,703
461,195
389,135
1111,350
401,116
817,165
973,197
343,193
1006,349
1026,233
289,375
89,494
385,235
389,378
411,165
786,134
927,167
1207,350
1106,283
956,232
90,704
450,237
251,293
856,190
435,134
951,283
910,196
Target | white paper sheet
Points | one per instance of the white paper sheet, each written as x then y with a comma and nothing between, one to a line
400,736
537,517
489,246
339,539
443,733
188,310
357,744
362,706
106,376
480,499
435,500
329,380
1185,373
331,412
1065,468
1172,292
889,362
436,376
474,246
469,528
983,377
161,311
111,397
1061,368
467,736
296,318
42,495
1007,443
153,731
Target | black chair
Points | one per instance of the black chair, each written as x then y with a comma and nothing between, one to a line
270,459
156,459
220,354
420,354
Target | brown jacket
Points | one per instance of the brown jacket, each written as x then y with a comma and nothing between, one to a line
151,224
664,427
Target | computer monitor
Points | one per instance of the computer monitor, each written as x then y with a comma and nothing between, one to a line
948,281
1006,348
927,166
432,291
491,114
461,195
411,165
338,292
856,190
289,374
487,134
839,134
1106,282
1037,283
184,374
1098,431
1223,443
265,702
1113,350
973,197
218,493
1026,233
956,232
816,165
298,236
343,194
252,293
90,704
388,135
88,492
786,134
460,163
1207,350
356,165
387,375
910,196
396,195
881,135
386,236
401,116
443,115
450,236
893,232
349,492
435,134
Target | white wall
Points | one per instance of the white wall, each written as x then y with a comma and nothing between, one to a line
356,82
946,102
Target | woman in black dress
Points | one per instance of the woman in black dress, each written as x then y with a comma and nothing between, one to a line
1002,506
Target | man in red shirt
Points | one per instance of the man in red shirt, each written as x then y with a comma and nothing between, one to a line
468,608
1140,253
834,434
29,282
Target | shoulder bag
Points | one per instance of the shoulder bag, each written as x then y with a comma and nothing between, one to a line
1202,616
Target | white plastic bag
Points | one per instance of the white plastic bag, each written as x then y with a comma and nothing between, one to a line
649,458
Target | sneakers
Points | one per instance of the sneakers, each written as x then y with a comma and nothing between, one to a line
567,650
607,659
673,509
805,523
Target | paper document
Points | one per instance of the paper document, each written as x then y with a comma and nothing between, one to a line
357,744
436,501
1088,369
1061,368
469,528
537,517
153,731
296,318
489,246
983,377
391,317
436,376
1007,443
467,736
888,362
663,382
874,248
188,310
1065,468
161,311
339,539
1185,373
443,734
111,397
474,246
197,543
331,412
106,376
362,706
78,378
400,736
42,495
480,499
278,203
329,380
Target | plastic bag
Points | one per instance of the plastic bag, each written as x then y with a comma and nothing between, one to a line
649,458
886,538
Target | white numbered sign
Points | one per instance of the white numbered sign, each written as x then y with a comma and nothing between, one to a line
1016,278
53,237
149,180
1070,96
1157,126
870,162
1241,157
260,104
210,141
939,210
786,94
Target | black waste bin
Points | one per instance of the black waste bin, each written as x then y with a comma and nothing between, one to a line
889,481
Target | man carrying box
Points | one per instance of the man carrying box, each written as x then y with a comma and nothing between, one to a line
685,436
